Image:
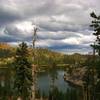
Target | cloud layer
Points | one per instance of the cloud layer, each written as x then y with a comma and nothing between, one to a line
63,25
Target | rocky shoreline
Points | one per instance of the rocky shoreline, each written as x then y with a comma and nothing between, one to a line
76,79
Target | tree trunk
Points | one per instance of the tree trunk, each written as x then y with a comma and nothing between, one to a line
19,98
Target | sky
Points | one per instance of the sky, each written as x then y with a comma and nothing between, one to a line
63,25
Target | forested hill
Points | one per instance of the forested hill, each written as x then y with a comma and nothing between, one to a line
4,46
43,56
6,50
49,57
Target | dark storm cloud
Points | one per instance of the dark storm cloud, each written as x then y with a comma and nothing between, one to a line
68,47
64,27
8,16
8,39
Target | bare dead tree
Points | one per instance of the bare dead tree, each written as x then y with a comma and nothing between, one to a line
34,66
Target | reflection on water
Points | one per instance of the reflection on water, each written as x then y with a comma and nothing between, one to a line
44,81
60,91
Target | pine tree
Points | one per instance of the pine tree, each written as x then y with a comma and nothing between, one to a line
96,27
23,73
96,46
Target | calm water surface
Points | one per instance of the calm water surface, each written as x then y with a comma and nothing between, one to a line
44,82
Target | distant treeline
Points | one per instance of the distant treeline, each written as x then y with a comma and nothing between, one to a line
45,56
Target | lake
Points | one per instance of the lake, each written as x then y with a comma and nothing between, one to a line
44,80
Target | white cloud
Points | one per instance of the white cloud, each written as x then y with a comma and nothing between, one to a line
71,41
60,22
25,26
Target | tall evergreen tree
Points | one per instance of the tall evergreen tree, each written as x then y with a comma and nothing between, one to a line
96,27
96,46
23,73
